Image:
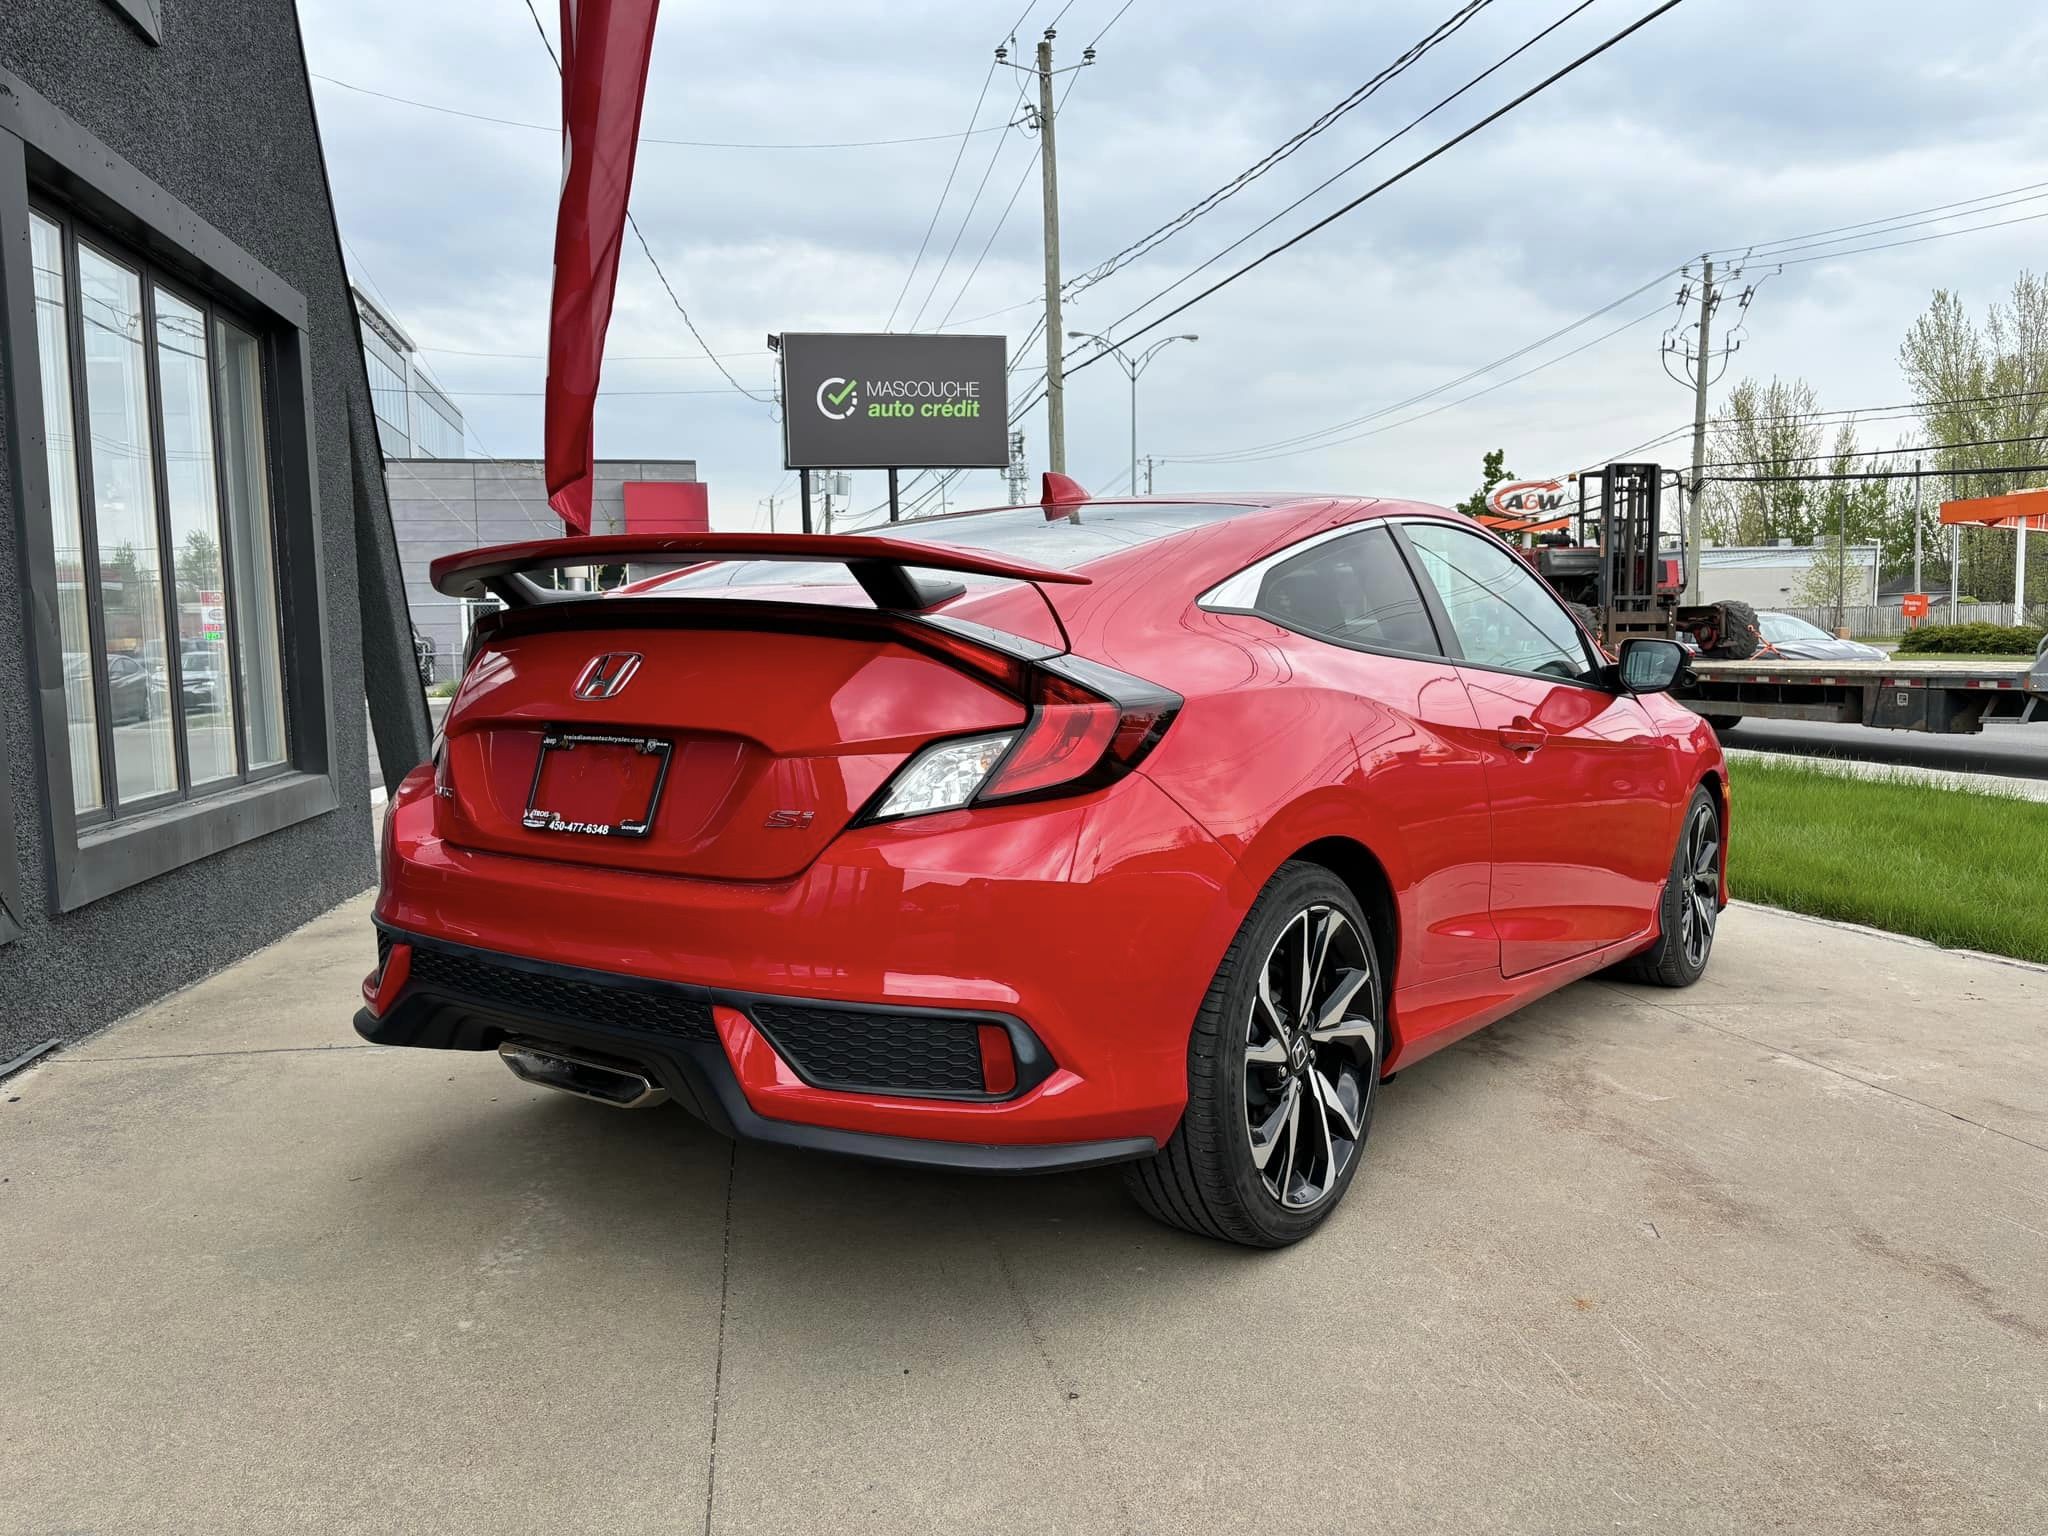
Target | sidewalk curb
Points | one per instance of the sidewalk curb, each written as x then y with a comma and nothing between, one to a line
1996,785
1886,933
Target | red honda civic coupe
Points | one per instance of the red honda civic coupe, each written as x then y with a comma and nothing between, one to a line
1155,832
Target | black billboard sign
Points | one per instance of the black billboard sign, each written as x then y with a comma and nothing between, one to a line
853,401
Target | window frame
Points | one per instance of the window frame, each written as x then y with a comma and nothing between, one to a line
151,279
74,173
1600,673
1238,593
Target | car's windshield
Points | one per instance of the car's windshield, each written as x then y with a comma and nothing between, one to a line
1783,626
1019,533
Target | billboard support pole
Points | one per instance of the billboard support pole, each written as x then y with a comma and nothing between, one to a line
893,510
803,480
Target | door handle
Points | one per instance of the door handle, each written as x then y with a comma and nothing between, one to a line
1523,737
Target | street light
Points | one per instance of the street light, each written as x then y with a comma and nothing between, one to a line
1133,367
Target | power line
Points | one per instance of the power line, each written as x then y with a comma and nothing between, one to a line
648,250
1285,150
981,186
1306,438
1329,181
642,357
992,313
1908,409
1919,240
1119,16
555,128
1022,178
634,224
945,189
1406,171
1756,248
1029,166
1448,404
1892,228
1879,474
1882,453
531,394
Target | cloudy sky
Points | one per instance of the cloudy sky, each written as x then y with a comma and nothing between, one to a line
1722,124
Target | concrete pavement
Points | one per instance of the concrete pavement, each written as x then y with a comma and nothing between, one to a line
1771,1254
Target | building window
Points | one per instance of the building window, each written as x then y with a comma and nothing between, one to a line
436,424
161,526
386,369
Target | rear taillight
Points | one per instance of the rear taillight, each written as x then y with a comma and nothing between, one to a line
1089,726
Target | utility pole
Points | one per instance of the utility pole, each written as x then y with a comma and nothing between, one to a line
1916,526
1149,462
1700,356
1955,557
1019,472
1132,366
1055,334
1691,523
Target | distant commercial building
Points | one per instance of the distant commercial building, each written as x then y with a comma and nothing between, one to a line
442,505
198,581
1778,575
414,419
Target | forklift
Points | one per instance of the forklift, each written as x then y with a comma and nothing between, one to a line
1613,570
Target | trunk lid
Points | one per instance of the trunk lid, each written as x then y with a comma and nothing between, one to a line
754,748
721,740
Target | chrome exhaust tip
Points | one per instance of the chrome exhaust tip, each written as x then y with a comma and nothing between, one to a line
587,1077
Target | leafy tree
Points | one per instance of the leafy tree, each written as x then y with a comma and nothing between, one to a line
1765,429
1986,385
199,562
1493,471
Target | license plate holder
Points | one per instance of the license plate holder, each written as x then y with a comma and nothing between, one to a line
597,783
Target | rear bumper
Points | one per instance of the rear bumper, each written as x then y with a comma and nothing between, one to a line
1087,932
697,1072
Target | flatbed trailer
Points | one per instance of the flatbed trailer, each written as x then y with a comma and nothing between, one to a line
1933,694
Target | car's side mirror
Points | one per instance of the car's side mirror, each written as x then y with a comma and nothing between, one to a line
1649,666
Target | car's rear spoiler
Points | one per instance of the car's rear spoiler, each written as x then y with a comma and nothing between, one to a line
884,567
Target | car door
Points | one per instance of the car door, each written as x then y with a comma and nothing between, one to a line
1579,775
1359,625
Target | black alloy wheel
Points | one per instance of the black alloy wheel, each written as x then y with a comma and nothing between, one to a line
1691,908
1284,1064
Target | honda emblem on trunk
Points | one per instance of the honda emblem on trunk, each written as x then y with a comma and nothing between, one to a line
606,676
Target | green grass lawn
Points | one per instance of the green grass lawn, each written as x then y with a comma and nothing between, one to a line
1965,870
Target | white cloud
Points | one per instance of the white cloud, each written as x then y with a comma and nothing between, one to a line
1720,123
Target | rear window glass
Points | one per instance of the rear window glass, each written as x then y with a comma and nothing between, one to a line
1016,533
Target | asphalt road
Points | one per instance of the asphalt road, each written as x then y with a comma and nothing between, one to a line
2020,751
1770,1254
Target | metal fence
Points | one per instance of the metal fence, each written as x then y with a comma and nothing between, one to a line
1863,619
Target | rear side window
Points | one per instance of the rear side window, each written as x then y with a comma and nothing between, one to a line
1502,613
1355,590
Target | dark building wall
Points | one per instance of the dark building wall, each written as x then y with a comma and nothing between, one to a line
220,117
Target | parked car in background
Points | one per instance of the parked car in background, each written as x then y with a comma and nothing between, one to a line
1796,640
1142,832
202,678
131,691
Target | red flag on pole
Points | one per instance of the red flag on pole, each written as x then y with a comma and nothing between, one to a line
606,45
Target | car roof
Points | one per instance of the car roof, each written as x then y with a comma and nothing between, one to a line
1147,550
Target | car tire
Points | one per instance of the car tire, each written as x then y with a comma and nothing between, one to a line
1690,908
1242,1166
1738,636
1724,723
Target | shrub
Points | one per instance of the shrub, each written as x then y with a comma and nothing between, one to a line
1970,639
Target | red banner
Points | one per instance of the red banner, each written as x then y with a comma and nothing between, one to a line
606,45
